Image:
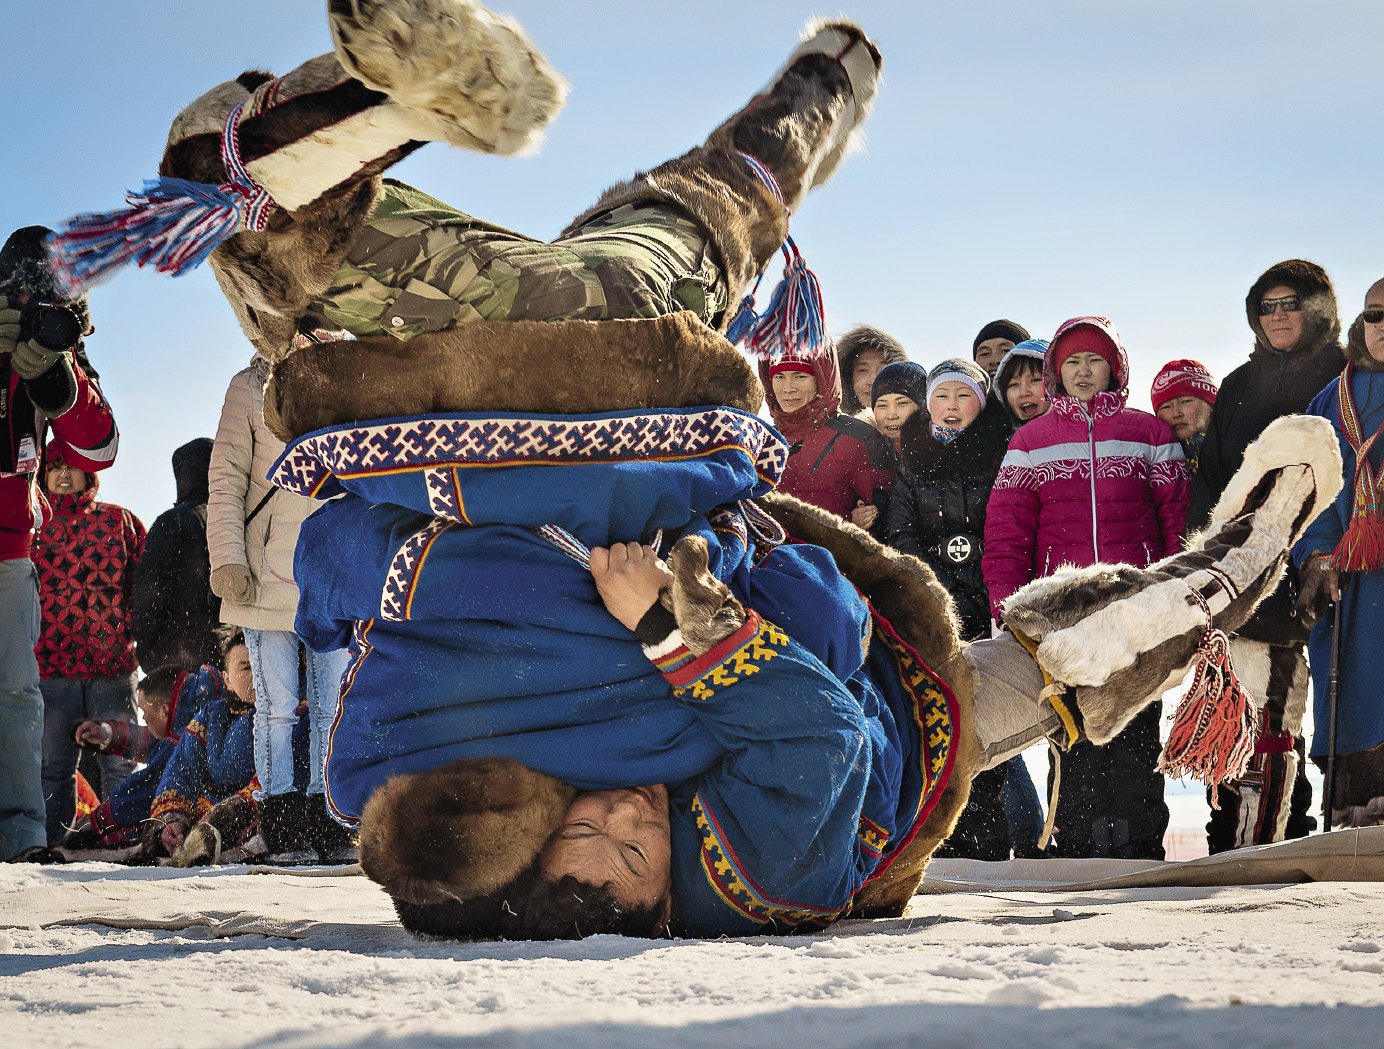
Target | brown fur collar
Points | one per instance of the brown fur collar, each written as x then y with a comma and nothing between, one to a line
904,590
566,367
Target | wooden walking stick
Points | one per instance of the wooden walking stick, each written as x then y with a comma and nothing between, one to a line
1331,691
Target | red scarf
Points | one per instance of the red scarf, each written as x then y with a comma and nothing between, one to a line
1361,549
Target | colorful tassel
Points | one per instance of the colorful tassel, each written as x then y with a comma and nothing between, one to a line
1213,729
794,322
1361,549
172,225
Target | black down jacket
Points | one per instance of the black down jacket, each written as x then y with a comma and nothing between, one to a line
937,510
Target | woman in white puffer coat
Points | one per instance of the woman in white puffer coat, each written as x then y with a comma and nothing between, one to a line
252,532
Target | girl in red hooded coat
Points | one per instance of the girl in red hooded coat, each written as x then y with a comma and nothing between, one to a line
1092,481
835,461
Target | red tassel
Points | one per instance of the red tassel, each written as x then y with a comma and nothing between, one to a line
1213,729
1361,549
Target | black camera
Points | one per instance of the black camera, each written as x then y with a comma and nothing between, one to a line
52,326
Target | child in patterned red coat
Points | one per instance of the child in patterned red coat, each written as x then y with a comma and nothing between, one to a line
85,555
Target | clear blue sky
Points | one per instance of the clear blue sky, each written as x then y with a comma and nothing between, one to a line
1035,160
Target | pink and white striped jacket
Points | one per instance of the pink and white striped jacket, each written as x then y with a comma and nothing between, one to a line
1084,484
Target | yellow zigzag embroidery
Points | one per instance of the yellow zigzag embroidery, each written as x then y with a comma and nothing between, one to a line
743,662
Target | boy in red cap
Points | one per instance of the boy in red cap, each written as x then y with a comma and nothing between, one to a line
1183,394
1091,481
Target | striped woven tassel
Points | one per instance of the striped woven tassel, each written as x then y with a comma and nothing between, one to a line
794,323
1213,730
173,225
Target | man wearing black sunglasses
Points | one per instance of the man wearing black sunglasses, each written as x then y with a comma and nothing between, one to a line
1292,312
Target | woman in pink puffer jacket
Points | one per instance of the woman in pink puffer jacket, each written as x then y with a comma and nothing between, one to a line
1092,481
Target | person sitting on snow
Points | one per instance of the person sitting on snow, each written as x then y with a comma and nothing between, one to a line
209,779
173,702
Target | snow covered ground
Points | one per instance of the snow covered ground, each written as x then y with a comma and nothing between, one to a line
1270,966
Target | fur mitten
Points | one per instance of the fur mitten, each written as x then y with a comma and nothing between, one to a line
705,610
475,71
460,831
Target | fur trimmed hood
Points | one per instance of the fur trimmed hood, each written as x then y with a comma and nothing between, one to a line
1322,319
849,347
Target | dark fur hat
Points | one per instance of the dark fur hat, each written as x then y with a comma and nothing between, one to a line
24,267
459,832
851,345
1321,320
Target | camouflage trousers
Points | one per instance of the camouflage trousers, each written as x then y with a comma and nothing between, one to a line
419,265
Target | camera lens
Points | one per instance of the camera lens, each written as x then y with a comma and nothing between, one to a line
55,327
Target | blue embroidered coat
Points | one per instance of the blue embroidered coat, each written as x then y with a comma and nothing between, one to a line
474,632
214,758
1360,714
118,818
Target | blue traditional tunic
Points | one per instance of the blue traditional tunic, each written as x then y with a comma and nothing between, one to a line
1360,714
214,758
119,817
475,632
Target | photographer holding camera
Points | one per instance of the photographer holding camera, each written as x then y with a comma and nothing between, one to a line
45,381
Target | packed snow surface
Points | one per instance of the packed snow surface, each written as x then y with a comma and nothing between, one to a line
1296,966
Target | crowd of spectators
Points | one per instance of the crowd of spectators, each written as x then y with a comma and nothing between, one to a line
1001,469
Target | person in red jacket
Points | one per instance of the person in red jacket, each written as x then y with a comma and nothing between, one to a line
40,387
1092,481
86,555
835,461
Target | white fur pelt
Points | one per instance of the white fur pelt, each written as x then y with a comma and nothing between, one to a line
1124,636
476,71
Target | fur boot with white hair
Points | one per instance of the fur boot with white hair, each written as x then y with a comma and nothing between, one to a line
1121,636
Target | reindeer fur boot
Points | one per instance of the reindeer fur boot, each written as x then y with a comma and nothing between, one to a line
317,138
228,824
798,127
1123,636
476,72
